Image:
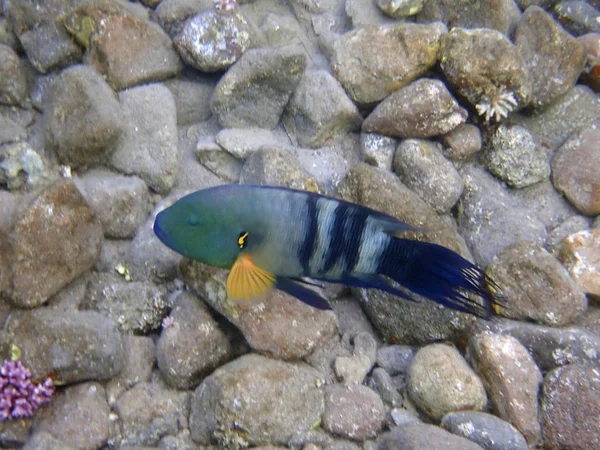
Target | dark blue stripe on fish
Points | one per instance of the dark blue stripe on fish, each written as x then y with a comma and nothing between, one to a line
307,248
336,245
353,235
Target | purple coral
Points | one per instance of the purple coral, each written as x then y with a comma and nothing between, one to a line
19,397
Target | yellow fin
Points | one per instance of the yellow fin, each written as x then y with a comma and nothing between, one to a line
247,281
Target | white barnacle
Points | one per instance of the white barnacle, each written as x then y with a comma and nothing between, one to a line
498,107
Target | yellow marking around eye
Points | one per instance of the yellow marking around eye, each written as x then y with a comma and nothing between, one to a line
242,240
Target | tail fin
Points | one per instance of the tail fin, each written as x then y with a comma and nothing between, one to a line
441,275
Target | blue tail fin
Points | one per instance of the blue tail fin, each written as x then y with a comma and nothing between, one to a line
441,275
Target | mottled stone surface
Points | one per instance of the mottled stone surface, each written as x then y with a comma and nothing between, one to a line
580,253
13,82
418,436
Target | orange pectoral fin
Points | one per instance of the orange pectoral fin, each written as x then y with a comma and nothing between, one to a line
247,281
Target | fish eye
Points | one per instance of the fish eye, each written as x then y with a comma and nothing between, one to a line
243,239
193,220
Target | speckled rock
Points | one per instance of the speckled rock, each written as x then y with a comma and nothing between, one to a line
353,369
576,170
21,167
578,17
513,156
78,416
255,90
485,429
191,92
149,411
378,150
148,146
440,381
555,59
400,8
423,109
280,325
512,380
213,40
217,160
462,142
242,142
42,440
478,63
388,389
571,406
13,82
172,15
121,203
55,238
354,411
391,57
74,346
423,169
538,286
192,346
255,400
395,359
570,226
580,253
319,110
417,436
82,117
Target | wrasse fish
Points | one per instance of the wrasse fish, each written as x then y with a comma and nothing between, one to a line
272,237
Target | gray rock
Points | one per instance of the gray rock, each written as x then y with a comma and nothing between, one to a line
148,146
136,306
255,90
365,13
13,82
512,380
7,35
570,226
462,142
324,356
172,15
354,411
11,131
578,17
192,92
218,161
440,381
55,238
353,369
82,117
42,87
423,169
513,156
580,254
78,417
149,412
378,150
490,219
395,359
538,286
478,63
121,203
382,383
73,346
319,110
485,429
243,142
570,405
255,400
576,170
401,8
213,40
43,440
422,109
192,346
49,47
391,58
554,58
417,436
22,167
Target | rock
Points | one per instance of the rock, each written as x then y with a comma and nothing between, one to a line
501,15
462,142
213,40
82,118
11,131
487,69
353,369
395,359
570,406
276,168
485,429
319,110
22,167
490,219
218,161
49,47
72,346
13,82
243,142
580,254
43,440
77,416
512,380
255,90
148,412
554,58
255,400
440,381
280,325
422,109
378,150
417,436
193,346
570,226
121,203
513,156
423,169
136,306
365,13
192,92
323,358
130,51
391,58
172,15
578,17
576,171
148,146
55,238
353,412
400,8
382,383
538,286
